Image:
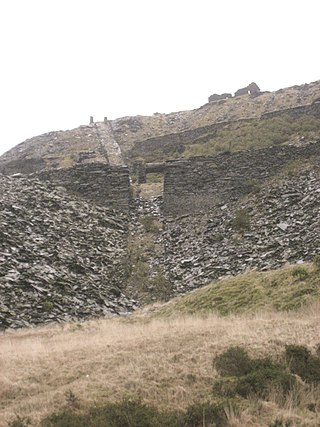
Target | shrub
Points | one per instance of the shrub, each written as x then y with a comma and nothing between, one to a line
233,362
134,413
225,387
300,273
249,376
216,237
150,224
303,363
316,262
20,422
278,422
242,220
261,380
205,414
47,305
72,400
252,186
128,413
159,287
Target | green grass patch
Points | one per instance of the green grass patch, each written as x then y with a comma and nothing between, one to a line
240,136
285,289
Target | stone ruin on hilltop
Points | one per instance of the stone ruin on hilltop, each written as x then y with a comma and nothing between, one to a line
252,89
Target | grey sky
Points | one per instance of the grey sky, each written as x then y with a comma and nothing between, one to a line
64,60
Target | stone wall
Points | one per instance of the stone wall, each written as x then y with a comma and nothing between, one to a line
310,109
96,182
176,142
200,184
141,169
25,166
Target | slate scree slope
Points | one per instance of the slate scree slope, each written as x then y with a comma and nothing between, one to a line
68,208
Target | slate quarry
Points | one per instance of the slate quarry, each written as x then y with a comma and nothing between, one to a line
278,225
61,258
73,229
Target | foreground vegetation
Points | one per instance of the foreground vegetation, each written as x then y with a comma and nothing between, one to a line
241,377
259,369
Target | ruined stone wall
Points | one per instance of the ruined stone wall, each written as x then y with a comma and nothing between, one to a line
310,109
25,166
200,184
176,142
96,182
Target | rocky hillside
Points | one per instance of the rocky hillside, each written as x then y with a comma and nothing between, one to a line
60,258
65,254
118,141
279,224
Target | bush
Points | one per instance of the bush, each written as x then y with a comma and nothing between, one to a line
159,287
20,422
261,380
225,387
303,363
247,376
316,262
233,362
278,422
150,224
72,400
134,413
300,273
128,413
205,414
242,220
252,186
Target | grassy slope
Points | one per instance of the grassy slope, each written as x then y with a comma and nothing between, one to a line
165,361
240,136
286,289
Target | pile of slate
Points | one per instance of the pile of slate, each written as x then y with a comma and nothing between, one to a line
279,225
60,257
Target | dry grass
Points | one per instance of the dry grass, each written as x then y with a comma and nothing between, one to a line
165,362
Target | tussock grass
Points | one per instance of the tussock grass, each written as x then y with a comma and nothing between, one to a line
165,362
285,289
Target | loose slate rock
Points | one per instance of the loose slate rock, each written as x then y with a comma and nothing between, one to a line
60,257
283,226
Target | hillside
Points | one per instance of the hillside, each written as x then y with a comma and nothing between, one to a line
211,215
216,216
166,359
288,288
276,222
126,139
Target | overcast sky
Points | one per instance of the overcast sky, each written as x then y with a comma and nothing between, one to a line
64,60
